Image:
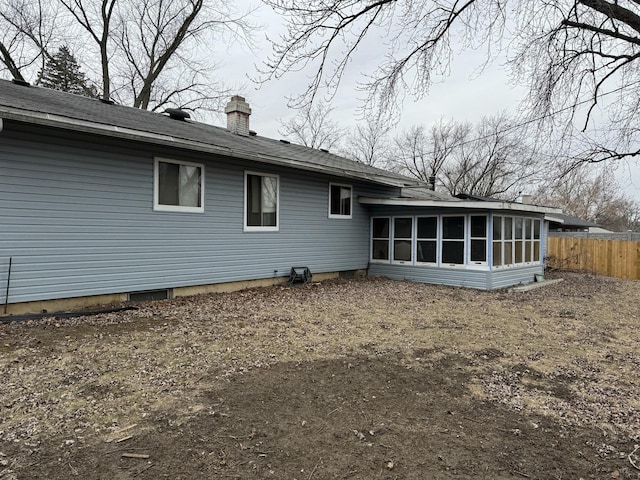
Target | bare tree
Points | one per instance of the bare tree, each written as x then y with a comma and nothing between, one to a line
29,30
491,160
148,52
593,195
313,127
157,42
369,142
97,19
573,55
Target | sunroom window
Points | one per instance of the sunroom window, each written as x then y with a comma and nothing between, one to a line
427,240
402,234
380,239
478,242
453,240
516,241
497,242
178,186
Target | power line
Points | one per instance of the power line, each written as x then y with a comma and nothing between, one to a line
542,117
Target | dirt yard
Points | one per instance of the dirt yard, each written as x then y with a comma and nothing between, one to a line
348,379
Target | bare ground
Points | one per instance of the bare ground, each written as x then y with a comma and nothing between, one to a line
359,379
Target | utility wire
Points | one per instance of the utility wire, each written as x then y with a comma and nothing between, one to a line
542,117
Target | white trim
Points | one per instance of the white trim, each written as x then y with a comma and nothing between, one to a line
158,207
467,204
337,215
256,228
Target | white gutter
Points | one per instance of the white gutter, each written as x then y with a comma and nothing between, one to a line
51,120
466,204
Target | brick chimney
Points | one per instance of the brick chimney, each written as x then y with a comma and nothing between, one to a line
238,112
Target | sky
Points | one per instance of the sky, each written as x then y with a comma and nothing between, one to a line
466,94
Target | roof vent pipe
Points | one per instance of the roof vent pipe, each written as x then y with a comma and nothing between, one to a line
238,112
432,183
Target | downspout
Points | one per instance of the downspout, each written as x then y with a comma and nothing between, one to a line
6,295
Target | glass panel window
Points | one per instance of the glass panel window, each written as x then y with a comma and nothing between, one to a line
519,237
427,239
496,252
507,233
453,240
536,240
528,235
380,239
178,186
478,243
402,234
340,201
261,201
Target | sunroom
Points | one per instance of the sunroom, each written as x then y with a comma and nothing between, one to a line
478,244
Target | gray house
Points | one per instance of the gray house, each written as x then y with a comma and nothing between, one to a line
100,202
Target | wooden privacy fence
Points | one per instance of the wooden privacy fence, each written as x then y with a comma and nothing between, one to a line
614,258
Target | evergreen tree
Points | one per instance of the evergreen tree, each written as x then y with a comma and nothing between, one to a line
62,72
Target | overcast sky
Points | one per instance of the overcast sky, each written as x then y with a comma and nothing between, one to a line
465,95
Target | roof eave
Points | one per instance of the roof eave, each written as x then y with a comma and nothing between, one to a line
56,121
474,205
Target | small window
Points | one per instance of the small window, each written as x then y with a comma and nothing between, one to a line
340,201
178,186
402,235
261,202
427,240
380,239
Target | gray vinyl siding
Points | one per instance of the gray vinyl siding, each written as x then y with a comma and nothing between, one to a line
77,218
443,276
480,279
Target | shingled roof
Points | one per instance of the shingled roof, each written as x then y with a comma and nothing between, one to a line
42,106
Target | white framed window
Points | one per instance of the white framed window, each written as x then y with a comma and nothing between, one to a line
478,240
380,235
427,240
507,241
516,241
261,202
178,186
452,253
536,240
340,200
518,234
402,239
496,253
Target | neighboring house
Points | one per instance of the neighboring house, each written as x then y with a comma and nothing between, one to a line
559,222
100,202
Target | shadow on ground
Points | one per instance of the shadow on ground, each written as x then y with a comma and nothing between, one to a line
355,418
